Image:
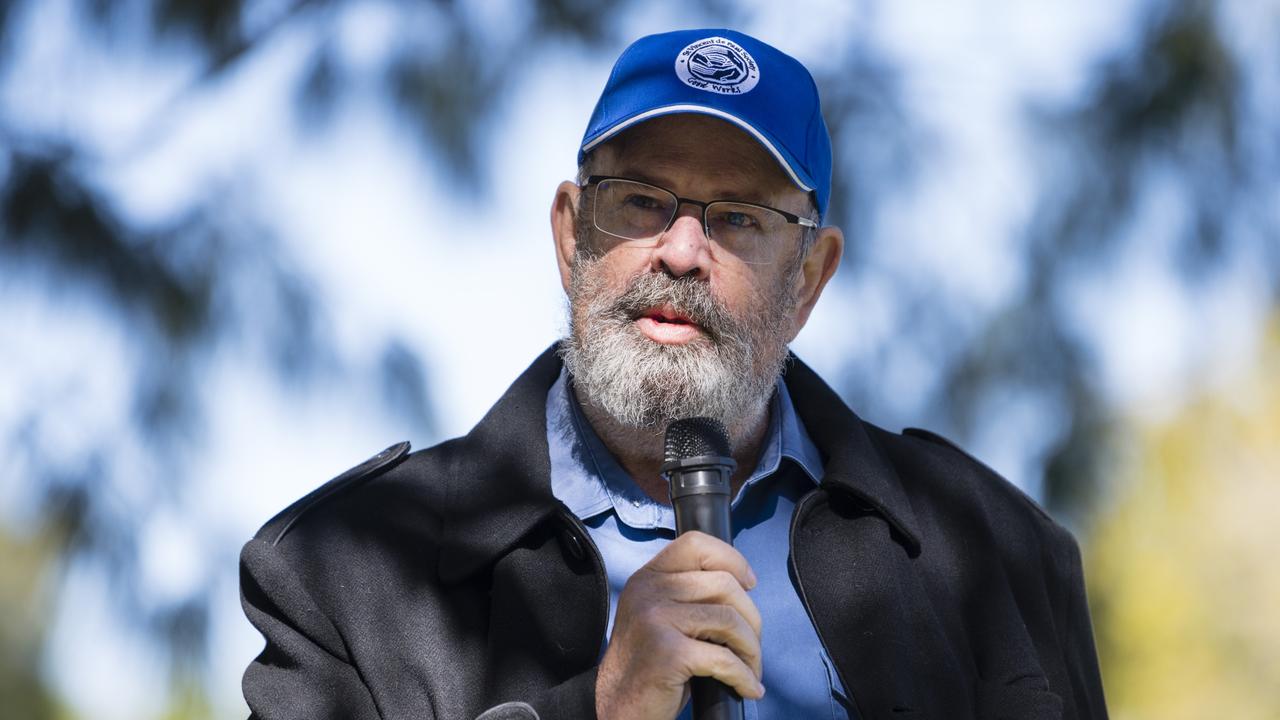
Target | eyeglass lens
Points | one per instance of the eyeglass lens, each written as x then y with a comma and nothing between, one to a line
639,212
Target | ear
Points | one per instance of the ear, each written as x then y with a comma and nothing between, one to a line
818,267
564,227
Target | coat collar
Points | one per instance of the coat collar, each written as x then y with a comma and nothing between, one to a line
499,475
499,485
854,464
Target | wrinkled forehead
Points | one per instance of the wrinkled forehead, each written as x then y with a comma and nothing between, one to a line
683,147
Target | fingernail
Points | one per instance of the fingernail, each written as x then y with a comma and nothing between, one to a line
752,579
760,689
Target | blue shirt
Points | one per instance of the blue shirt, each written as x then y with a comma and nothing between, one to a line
630,528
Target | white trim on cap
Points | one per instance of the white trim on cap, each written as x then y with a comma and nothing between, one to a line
668,109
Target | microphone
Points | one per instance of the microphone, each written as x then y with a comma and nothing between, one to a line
698,467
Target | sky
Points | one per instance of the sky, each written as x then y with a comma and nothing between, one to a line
471,283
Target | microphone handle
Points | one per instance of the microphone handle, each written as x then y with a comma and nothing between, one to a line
700,497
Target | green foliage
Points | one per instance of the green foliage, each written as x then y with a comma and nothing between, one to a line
25,590
1182,571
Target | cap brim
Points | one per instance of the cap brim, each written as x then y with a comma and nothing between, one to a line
704,110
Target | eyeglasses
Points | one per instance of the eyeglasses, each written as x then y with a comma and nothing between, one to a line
640,213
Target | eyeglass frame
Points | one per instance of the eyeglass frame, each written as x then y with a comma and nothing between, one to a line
791,218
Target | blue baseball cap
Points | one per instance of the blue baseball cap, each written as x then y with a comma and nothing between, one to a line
729,75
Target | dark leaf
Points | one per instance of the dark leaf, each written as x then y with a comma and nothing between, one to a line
215,24
405,388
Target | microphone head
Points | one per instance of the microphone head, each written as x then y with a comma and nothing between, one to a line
695,437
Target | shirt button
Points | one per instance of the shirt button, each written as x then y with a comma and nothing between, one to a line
635,503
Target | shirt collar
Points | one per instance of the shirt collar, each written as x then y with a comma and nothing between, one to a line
589,481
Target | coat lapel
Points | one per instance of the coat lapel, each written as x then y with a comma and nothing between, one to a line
872,612
856,548
507,532
548,611
499,481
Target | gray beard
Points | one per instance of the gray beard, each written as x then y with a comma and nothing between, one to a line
729,374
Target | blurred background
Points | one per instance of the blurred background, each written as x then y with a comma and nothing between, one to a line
245,244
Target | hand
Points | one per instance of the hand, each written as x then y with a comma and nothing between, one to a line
685,613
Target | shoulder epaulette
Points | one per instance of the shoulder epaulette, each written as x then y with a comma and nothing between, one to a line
934,437
370,468
940,440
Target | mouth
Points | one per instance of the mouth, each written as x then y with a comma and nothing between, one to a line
668,326
667,314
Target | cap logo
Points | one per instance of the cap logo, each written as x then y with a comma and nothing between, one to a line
717,65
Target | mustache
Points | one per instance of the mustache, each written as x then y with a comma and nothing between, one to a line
687,295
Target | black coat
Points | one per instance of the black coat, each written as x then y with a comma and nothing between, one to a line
441,583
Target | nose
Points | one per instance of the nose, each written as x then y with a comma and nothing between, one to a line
684,248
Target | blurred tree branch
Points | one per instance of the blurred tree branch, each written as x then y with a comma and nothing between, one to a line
216,28
212,276
1170,109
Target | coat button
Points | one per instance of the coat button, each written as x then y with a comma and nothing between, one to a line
573,544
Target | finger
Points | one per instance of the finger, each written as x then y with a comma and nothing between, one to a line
699,551
722,625
716,661
715,587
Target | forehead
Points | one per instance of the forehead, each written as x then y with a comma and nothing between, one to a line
696,154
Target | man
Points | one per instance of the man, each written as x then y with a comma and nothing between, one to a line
532,565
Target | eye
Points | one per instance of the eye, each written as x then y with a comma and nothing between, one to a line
738,219
643,202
